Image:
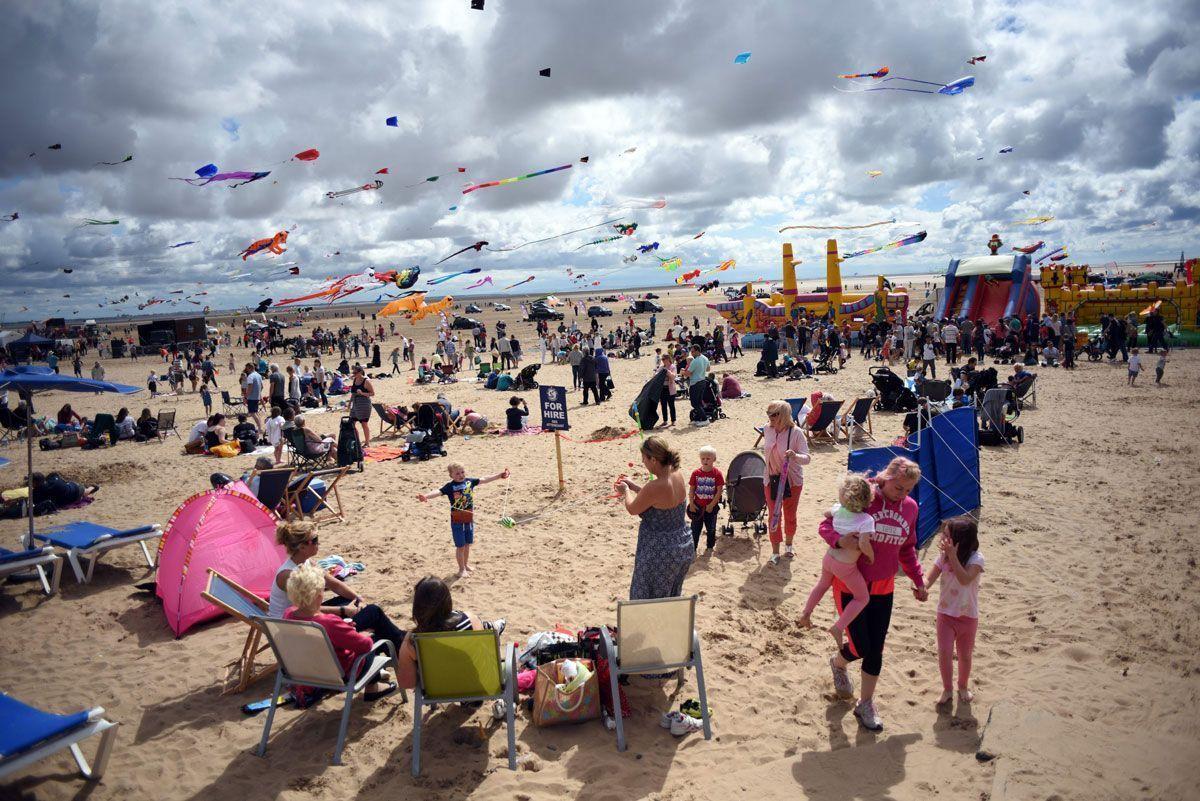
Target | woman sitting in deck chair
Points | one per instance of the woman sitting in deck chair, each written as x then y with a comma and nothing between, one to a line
433,610
314,443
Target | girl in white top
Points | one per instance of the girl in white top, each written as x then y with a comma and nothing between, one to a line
958,568
274,431
849,516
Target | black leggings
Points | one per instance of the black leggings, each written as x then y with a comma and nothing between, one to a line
866,633
708,520
373,618
666,400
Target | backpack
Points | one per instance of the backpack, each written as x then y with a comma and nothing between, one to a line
492,380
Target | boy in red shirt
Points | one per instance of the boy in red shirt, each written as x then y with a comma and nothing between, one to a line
704,497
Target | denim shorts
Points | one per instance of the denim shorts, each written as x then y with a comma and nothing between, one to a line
463,533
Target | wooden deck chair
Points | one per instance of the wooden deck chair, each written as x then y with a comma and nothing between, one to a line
28,735
797,405
290,508
305,658
655,636
231,406
327,505
166,425
454,666
273,486
237,601
825,428
387,420
857,421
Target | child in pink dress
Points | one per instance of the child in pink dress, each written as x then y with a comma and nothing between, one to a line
849,516
958,567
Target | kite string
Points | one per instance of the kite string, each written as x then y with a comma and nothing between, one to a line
556,236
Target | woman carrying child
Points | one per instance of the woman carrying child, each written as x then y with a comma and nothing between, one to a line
850,519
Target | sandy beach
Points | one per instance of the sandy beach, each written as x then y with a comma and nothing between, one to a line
1086,662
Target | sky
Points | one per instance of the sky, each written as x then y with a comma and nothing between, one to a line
1099,101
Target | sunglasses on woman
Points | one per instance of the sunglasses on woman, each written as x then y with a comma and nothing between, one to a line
312,541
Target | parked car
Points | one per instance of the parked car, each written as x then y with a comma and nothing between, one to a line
473,309
543,313
644,307
610,299
599,311
464,323
501,307
651,296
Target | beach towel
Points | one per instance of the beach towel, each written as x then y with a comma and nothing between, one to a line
383,453
339,567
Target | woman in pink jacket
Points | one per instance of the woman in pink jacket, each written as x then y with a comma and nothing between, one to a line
895,546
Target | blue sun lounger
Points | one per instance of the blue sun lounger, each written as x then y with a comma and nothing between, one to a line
86,542
28,734
37,558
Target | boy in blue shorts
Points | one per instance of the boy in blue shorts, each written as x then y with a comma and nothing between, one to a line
461,492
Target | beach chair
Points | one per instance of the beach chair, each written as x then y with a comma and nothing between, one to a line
38,559
1026,392
273,486
464,666
10,429
654,636
387,420
86,542
857,421
825,428
166,425
797,405
327,505
237,601
306,658
936,391
231,406
27,735
301,459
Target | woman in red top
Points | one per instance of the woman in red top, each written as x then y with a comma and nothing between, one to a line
895,546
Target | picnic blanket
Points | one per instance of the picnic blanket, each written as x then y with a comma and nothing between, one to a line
383,453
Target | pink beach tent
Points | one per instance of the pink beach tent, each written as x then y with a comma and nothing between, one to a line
226,529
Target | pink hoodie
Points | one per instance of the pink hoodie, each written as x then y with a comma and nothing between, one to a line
894,542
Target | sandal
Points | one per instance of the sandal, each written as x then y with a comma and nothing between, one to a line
691,708
375,696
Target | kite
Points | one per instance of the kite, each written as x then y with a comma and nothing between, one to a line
207,171
1060,256
402,279
263,305
383,171
836,227
688,277
452,208
629,259
476,247
706,288
976,60
626,229
409,303
182,244
1033,221
742,58
242,176
477,5
723,266
114,163
697,236
284,271
393,121
487,279
306,155
899,243
1049,254
670,264
90,221
647,248
376,184
879,73
640,203
11,217
545,72
1030,249
68,269
601,241
524,281
556,236
428,180
1025,192
272,243
443,279
874,173
952,88
1006,150
504,181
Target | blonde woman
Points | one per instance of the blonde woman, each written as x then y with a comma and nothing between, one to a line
664,547
783,444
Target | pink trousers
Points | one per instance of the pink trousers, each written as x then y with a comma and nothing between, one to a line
832,568
955,633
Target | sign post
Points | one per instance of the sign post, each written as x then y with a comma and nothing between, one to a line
554,418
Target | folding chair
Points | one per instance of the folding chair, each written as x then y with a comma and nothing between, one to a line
303,492
231,406
306,658
857,421
166,425
655,636
36,558
1026,393
237,601
387,420
819,431
301,459
86,542
273,487
456,666
936,391
797,405
28,734
10,430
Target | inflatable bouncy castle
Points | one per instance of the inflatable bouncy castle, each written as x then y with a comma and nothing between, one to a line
1071,290
749,314
988,288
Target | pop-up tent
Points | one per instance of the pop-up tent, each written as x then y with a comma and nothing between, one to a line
226,529
947,451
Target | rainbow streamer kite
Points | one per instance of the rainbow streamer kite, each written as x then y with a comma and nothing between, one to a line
835,227
525,281
504,181
899,243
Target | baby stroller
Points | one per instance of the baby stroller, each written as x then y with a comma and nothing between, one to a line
744,493
996,413
825,363
709,410
891,393
428,436
525,378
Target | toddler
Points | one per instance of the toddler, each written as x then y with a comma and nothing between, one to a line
850,518
461,492
152,384
206,398
274,431
958,568
1160,366
704,498
1135,366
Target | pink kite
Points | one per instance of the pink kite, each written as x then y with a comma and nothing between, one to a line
485,280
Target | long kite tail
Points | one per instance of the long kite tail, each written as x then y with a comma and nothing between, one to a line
556,236
908,240
504,181
836,227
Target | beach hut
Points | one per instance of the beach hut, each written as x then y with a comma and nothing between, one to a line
226,529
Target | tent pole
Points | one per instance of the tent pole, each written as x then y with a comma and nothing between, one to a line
29,431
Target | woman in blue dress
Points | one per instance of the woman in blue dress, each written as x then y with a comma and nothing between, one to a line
664,545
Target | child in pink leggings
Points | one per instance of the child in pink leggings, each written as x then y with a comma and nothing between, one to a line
958,569
849,516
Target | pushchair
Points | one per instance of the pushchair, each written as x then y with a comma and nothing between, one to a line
709,409
891,393
428,436
525,378
744,493
825,362
996,413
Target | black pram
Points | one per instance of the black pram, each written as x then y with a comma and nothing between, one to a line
744,492
525,378
428,436
891,395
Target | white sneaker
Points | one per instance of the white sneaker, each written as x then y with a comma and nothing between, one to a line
841,680
774,559
668,718
685,724
498,625
789,553
867,716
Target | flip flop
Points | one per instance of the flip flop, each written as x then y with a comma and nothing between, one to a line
375,696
